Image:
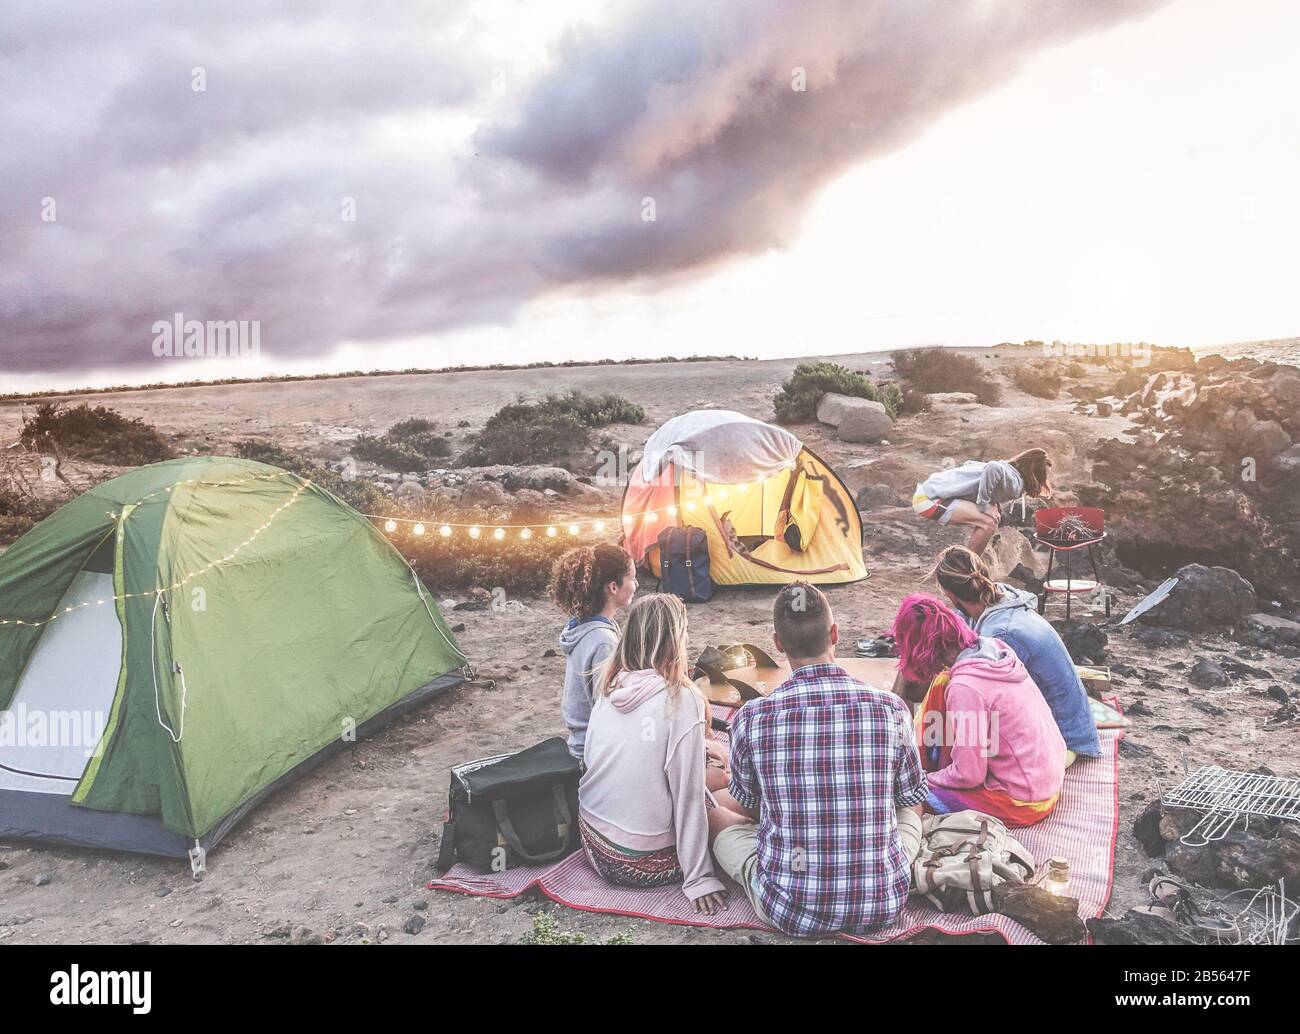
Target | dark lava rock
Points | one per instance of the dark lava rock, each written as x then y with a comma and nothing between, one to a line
1086,643
1138,928
1244,858
1235,667
1138,709
1130,748
1277,693
459,627
1156,638
414,925
305,935
1205,599
1146,828
1206,674
1053,919
551,653
871,497
1205,707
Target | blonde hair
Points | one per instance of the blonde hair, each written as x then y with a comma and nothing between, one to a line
654,636
966,576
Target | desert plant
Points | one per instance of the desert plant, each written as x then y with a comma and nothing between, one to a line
94,433
552,430
357,493
547,931
798,397
1041,379
410,445
932,370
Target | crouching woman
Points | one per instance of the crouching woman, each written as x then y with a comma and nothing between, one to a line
987,738
642,807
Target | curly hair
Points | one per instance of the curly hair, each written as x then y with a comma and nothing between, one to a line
1035,469
578,578
929,637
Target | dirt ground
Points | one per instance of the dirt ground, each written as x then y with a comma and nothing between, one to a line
347,850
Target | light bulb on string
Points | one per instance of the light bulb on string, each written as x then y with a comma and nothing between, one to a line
445,530
550,532
573,529
526,533
672,511
418,529
499,534
690,504
599,526
474,532
390,526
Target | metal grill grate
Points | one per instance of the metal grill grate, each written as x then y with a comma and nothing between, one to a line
1225,795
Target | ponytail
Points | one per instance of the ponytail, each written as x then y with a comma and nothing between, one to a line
962,573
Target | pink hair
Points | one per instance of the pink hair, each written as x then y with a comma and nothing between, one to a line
929,637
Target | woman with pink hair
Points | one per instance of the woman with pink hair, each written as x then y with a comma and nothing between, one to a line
986,735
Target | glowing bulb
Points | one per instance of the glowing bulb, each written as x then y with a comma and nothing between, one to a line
599,525
690,505
499,533
742,488
419,529
721,493
672,511
652,516
573,529
474,532
527,533
627,518
390,526
445,530
550,532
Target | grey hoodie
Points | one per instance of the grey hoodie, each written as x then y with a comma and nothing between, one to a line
587,644
982,483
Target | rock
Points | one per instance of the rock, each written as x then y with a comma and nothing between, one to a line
1130,748
1235,667
1265,439
1246,857
551,653
1287,462
1135,927
409,492
305,935
1010,549
1086,643
832,406
953,398
1146,828
414,925
421,906
1205,599
485,494
392,899
42,879
1206,674
876,496
1026,577
1270,628
1277,693
162,892
1102,409
1205,707
1052,918
1155,638
867,422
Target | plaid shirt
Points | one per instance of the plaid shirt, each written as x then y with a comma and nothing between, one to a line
826,760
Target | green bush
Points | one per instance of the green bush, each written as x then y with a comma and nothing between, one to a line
933,370
554,430
361,495
410,446
798,397
99,434
547,931
19,512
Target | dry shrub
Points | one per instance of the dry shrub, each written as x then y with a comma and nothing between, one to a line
934,370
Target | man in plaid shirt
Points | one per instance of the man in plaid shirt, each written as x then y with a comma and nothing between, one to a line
828,768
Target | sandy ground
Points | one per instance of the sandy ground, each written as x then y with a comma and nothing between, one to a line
347,850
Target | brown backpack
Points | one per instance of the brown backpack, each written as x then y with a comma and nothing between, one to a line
963,857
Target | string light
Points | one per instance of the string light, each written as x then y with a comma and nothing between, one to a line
474,532
527,533
445,530
499,533
390,526
180,582
550,532
418,529
573,529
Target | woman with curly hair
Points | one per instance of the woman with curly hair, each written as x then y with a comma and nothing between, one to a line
591,584
987,738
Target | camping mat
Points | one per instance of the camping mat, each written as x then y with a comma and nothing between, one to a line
1082,829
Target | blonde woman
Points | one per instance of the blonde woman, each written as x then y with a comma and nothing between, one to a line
642,810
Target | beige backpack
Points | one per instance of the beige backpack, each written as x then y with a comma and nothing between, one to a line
963,857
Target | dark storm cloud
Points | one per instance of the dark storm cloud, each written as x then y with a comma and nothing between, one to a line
225,204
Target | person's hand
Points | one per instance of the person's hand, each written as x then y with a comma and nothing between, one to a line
713,903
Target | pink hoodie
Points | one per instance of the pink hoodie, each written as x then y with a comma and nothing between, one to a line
1000,729
644,784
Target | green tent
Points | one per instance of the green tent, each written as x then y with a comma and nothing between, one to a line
178,642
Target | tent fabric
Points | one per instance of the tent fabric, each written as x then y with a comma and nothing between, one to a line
720,446
667,490
261,620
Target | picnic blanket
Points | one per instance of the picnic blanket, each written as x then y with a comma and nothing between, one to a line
1082,829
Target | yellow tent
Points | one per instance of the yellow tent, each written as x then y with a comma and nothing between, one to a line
772,510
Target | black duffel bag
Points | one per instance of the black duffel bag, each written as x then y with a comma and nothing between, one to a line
512,809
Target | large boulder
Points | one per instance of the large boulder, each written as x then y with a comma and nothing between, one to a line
864,421
1270,629
1009,549
1205,599
831,407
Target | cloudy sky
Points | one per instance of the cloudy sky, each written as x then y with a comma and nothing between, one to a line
424,183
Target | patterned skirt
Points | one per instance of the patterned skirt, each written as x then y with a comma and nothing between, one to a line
624,867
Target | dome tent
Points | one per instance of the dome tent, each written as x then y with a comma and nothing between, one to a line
772,510
179,641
